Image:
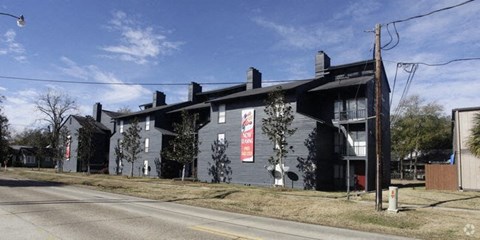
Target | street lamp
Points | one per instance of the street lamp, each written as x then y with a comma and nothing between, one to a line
20,20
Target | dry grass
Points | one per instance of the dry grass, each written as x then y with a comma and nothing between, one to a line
417,219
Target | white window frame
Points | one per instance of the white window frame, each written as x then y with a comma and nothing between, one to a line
121,126
221,113
221,138
147,123
147,144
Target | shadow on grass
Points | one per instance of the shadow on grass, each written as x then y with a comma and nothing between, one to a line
409,185
221,195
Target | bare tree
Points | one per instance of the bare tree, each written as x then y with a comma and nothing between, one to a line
55,106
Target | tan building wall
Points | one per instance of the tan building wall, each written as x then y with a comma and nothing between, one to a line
468,165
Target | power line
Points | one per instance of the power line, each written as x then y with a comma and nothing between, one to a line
129,84
444,63
386,47
432,12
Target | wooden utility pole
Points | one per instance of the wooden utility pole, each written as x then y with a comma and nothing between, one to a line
378,118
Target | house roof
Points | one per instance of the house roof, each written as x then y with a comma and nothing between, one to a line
264,90
165,131
343,83
112,114
239,86
191,107
150,110
99,127
467,109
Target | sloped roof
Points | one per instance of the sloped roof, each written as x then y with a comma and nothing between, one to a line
99,127
343,83
264,90
239,86
191,107
150,110
112,114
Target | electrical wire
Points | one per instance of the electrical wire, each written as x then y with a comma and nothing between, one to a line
432,12
128,84
445,63
386,46
394,82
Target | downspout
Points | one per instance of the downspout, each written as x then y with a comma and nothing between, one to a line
459,151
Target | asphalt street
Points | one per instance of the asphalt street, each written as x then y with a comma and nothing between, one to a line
38,210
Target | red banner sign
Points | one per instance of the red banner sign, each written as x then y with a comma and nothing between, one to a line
247,136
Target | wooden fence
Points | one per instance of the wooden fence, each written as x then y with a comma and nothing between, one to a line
441,177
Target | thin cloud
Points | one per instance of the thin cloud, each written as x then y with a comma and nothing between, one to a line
110,93
136,43
11,47
306,37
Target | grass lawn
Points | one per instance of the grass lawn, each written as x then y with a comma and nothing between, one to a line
424,214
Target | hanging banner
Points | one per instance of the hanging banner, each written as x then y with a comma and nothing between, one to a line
247,136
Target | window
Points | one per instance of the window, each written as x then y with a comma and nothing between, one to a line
221,138
350,109
221,113
147,123
147,144
30,159
121,126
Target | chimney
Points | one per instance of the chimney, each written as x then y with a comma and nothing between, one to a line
97,112
158,99
254,78
322,62
193,89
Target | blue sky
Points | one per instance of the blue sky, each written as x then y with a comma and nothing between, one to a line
217,41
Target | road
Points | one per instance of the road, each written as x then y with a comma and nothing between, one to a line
38,210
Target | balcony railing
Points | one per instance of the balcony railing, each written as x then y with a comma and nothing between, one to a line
352,151
350,115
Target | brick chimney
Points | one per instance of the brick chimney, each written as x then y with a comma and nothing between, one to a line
97,112
322,62
193,89
254,78
158,99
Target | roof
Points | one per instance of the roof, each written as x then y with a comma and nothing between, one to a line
18,147
344,83
243,85
191,107
165,131
467,109
98,126
150,110
112,114
264,90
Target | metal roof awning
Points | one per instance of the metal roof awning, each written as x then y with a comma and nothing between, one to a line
344,83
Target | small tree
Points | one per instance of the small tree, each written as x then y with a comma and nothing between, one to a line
474,139
86,141
220,169
277,127
118,149
131,143
184,146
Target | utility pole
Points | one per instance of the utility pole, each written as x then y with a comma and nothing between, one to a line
378,118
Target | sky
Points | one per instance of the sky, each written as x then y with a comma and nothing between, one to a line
216,41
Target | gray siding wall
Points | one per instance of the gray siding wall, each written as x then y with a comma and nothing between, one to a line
72,126
246,172
155,146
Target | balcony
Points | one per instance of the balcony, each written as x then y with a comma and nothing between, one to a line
350,115
358,150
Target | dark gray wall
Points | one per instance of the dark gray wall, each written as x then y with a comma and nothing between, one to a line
72,125
250,173
155,137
